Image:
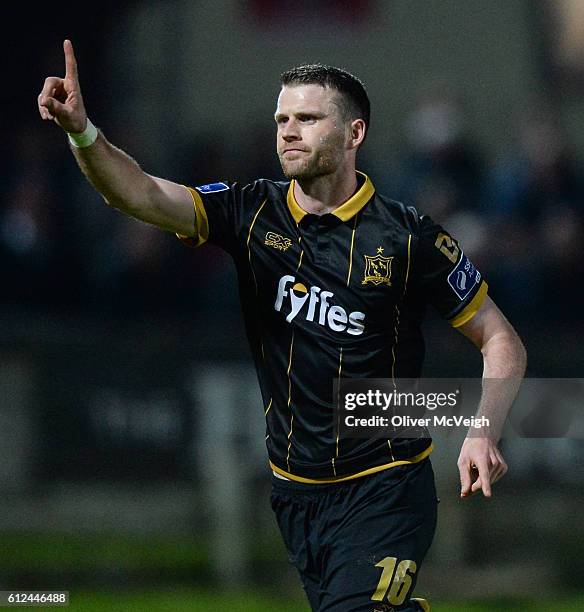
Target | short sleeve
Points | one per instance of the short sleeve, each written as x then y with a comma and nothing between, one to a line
219,211
444,276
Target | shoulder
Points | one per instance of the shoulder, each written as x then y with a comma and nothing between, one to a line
266,188
405,216
243,192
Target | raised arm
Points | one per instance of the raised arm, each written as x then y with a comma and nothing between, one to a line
480,462
119,179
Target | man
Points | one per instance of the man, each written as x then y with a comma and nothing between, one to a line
334,279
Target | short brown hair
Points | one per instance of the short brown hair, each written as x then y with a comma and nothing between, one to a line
355,102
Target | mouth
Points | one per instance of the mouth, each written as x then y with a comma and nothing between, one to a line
293,151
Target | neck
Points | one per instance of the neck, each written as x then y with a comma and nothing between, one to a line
323,194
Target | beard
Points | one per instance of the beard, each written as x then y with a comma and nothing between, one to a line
304,169
322,162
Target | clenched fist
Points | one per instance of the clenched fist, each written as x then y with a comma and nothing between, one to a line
60,99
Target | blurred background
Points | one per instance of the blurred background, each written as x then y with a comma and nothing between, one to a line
123,355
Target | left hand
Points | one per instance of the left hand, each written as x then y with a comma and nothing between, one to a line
480,464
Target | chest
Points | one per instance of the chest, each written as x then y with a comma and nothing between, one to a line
323,270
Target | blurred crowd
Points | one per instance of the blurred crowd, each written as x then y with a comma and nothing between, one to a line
520,217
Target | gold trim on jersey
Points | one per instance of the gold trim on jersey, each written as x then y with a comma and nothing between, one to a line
201,221
289,370
300,260
390,450
269,406
339,412
345,211
396,329
397,314
255,282
378,468
248,247
351,250
290,401
293,205
469,311
408,268
395,339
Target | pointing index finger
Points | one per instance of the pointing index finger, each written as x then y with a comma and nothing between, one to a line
70,61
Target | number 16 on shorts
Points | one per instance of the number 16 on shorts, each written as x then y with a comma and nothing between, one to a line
395,581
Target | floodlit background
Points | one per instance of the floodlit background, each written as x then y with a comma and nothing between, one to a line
132,467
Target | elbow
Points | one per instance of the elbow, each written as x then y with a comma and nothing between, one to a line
124,204
504,353
507,349
522,356
134,198
111,198
517,351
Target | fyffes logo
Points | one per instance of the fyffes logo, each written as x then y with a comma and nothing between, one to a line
319,307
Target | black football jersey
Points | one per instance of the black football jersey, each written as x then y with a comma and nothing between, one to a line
333,296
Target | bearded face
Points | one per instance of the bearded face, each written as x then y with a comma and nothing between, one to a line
311,140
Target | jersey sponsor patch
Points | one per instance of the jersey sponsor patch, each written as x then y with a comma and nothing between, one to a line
212,187
464,277
319,309
278,242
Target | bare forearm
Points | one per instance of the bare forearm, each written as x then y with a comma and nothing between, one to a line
504,356
114,174
117,177
125,186
504,360
480,462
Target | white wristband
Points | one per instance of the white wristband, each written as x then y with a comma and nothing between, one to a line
83,139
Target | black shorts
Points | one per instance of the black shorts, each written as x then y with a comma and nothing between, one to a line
359,545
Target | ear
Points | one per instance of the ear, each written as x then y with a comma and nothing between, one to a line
357,133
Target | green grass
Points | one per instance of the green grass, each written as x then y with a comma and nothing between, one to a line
181,601
55,560
32,551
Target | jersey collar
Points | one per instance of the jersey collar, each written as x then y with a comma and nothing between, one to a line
345,211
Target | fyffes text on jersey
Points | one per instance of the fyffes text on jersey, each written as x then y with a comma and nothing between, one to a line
315,305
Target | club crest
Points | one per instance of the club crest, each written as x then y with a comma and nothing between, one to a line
377,269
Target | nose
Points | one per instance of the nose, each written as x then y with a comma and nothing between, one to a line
289,131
